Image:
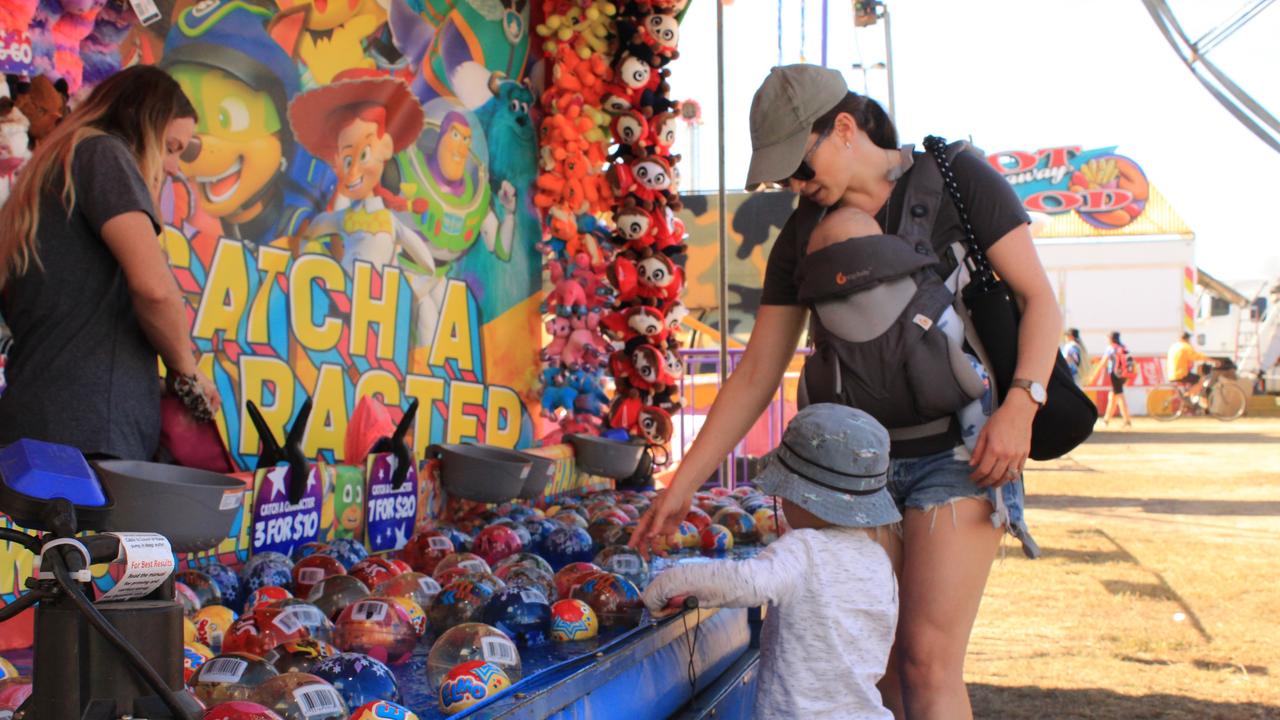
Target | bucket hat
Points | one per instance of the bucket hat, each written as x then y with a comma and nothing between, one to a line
833,461
782,113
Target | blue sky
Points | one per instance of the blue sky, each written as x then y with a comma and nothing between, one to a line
1014,74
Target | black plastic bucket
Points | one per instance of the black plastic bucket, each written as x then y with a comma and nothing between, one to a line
193,508
604,457
482,473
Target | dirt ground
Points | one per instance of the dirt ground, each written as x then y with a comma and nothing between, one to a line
1157,595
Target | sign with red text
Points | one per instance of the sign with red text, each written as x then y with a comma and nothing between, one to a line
1105,189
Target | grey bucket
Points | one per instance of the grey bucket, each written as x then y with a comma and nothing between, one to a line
193,508
539,475
604,457
482,473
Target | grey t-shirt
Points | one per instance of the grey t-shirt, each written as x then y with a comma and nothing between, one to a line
82,373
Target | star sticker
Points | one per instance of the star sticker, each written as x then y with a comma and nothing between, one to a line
401,536
276,476
311,480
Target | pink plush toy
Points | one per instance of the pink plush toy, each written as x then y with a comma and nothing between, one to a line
57,30
16,14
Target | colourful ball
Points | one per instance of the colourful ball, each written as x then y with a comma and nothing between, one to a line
267,556
272,572
699,518
417,614
291,613
377,627
530,576
383,710
301,696
767,523
359,678
347,551
372,571
188,630
523,613
461,601
299,656
522,558
470,642
265,596
259,633
212,623
194,655
740,523
7,670
312,570
571,575
690,537
188,597
420,588
614,598
229,676
625,561
306,550
470,562
240,710
567,545
205,589
333,594
497,542
716,539
573,620
228,584
14,691
469,683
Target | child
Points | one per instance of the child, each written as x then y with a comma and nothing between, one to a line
830,586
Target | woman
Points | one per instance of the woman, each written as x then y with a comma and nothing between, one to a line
837,149
1117,358
84,283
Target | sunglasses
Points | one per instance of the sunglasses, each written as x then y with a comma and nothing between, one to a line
805,173
191,151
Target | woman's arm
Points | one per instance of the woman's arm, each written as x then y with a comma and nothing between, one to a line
132,240
737,406
1005,442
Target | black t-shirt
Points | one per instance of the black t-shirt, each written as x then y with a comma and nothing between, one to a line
994,210
82,373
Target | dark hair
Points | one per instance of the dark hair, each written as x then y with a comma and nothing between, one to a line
867,113
1186,336
1115,337
1074,333
141,101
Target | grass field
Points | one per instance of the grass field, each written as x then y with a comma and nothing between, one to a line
1157,595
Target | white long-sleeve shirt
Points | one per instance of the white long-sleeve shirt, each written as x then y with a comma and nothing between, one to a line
833,611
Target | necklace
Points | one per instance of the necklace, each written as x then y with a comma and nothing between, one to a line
906,158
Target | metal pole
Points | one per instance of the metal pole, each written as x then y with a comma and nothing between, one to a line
888,61
723,231
824,32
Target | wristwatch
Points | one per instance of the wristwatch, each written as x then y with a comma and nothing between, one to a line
1033,388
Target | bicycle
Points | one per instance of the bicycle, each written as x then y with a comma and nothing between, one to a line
1220,399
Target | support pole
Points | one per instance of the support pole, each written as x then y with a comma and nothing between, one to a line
726,467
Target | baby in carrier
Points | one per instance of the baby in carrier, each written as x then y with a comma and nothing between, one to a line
883,310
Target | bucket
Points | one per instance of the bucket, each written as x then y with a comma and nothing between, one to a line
482,473
604,457
193,508
544,468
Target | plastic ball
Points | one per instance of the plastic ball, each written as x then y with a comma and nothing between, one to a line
470,642
767,523
371,572
188,597
359,678
399,567
306,550
461,541
212,623
497,542
264,596
523,613
299,656
699,518
461,601
630,511
469,683
572,518
754,503
567,545
311,570
268,556
229,676
256,634
417,614
383,710
377,627
420,588
188,630
7,670
228,584
526,538
271,572
689,535
333,594
539,529
522,558
570,576
489,580
346,551
13,692
625,561
716,539
292,613
426,549
206,591
605,531
240,710
738,522
468,561
530,576
194,655
573,620
614,598
301,696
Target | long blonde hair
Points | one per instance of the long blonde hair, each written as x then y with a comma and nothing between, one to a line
135,105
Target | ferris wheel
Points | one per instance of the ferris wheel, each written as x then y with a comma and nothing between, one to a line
1219,35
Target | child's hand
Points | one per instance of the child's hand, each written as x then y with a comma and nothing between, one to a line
673,606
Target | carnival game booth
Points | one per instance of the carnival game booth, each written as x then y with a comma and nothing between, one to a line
497,266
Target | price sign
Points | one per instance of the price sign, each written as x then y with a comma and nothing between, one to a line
15,52
279,525
389,512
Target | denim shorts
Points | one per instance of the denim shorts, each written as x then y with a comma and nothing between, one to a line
931,481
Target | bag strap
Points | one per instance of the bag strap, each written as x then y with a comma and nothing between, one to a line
981,274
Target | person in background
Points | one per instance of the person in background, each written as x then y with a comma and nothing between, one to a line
828,581
1180,366
84,283
1120,370
1077,356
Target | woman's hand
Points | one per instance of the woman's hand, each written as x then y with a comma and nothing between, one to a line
662,518
1004,443
197,392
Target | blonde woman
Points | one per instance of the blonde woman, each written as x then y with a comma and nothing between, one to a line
84,283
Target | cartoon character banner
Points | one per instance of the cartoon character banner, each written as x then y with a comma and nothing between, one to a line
359,219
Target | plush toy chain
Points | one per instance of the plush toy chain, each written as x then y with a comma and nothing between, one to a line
605,152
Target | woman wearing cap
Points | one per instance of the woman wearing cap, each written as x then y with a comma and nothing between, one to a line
838,149
84,282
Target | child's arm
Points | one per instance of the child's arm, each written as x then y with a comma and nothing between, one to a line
770,577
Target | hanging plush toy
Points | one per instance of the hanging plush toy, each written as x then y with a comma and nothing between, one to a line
101,49
14,150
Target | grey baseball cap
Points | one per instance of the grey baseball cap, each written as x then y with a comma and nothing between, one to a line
833,462
782,113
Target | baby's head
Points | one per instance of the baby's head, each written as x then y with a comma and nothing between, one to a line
840,224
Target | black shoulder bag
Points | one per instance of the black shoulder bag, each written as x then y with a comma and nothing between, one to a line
1067,418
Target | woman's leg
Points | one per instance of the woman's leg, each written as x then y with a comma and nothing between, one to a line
1123,402
891,684
1111,409
947,556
